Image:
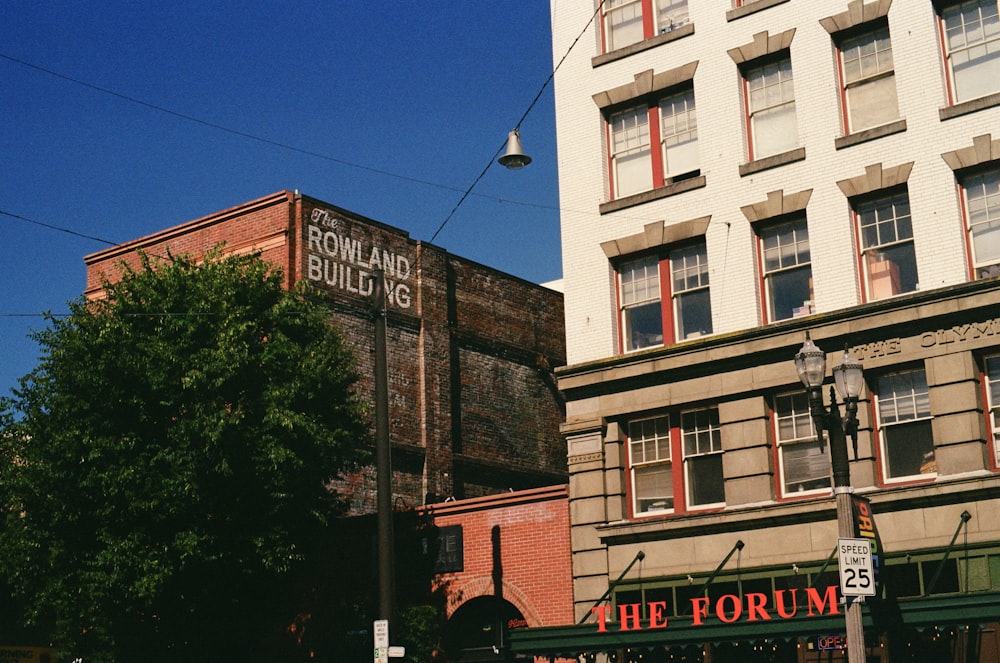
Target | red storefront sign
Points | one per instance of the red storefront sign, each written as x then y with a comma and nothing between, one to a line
728,608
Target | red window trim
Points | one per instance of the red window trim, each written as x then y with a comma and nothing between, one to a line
884,482
779,490
676,471
990,431
943,45
655,153
667,321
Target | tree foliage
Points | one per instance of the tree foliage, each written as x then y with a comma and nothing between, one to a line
167,474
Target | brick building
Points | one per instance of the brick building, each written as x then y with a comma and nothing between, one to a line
473,405
732,176
504,563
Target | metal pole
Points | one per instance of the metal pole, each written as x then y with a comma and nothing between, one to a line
383,460
834,425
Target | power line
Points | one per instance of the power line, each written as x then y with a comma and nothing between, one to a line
220,127
523,116
59,228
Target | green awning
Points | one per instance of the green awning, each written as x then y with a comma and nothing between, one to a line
941,610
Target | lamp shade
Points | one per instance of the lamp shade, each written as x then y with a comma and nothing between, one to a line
515,157
810,363
848,376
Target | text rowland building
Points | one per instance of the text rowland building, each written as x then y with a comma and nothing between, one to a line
472,402
732,177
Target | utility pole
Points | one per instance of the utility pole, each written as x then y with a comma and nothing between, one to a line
383,456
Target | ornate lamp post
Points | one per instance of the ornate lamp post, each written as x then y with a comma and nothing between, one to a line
810,363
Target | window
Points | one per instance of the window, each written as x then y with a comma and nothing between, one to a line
668,121
971,34
692,306
650,463
904,417
804,462
982,210
641,317
624,22
703,457
784,251
679,134
993,402
656,481
630,151
770,103
868,80
644,321
888,259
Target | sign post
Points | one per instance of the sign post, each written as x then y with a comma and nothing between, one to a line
381,632
857,573
383,651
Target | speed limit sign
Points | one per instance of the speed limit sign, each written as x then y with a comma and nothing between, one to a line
857,573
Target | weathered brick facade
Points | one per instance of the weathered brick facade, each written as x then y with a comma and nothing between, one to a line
472,404
530,529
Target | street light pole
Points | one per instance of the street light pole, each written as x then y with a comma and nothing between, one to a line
383,462
810,362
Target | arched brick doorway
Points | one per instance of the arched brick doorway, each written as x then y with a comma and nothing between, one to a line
478,630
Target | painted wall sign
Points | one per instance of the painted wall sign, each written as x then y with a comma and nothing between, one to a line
728,608
338,259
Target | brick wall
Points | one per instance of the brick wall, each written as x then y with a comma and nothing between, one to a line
534,550
473,407
262,226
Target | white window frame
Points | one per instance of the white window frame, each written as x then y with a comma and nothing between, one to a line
886,231
786,256
970,31
701,442
992,376
629,143
678,134
639,286
981,199
868,79
650,450
770,106
797,442
620,17
902,401
689,279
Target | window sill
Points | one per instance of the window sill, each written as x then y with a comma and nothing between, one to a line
644,45
870,134
966,107
751,8
655,194
767,163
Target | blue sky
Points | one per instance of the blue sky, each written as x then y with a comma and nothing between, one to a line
391,110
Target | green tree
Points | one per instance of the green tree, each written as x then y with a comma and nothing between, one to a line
166,477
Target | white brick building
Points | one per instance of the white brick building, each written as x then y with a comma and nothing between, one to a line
827,153
732,176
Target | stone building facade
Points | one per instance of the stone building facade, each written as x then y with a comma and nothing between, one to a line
734,176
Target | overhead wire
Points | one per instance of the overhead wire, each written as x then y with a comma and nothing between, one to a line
524,115
286,146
